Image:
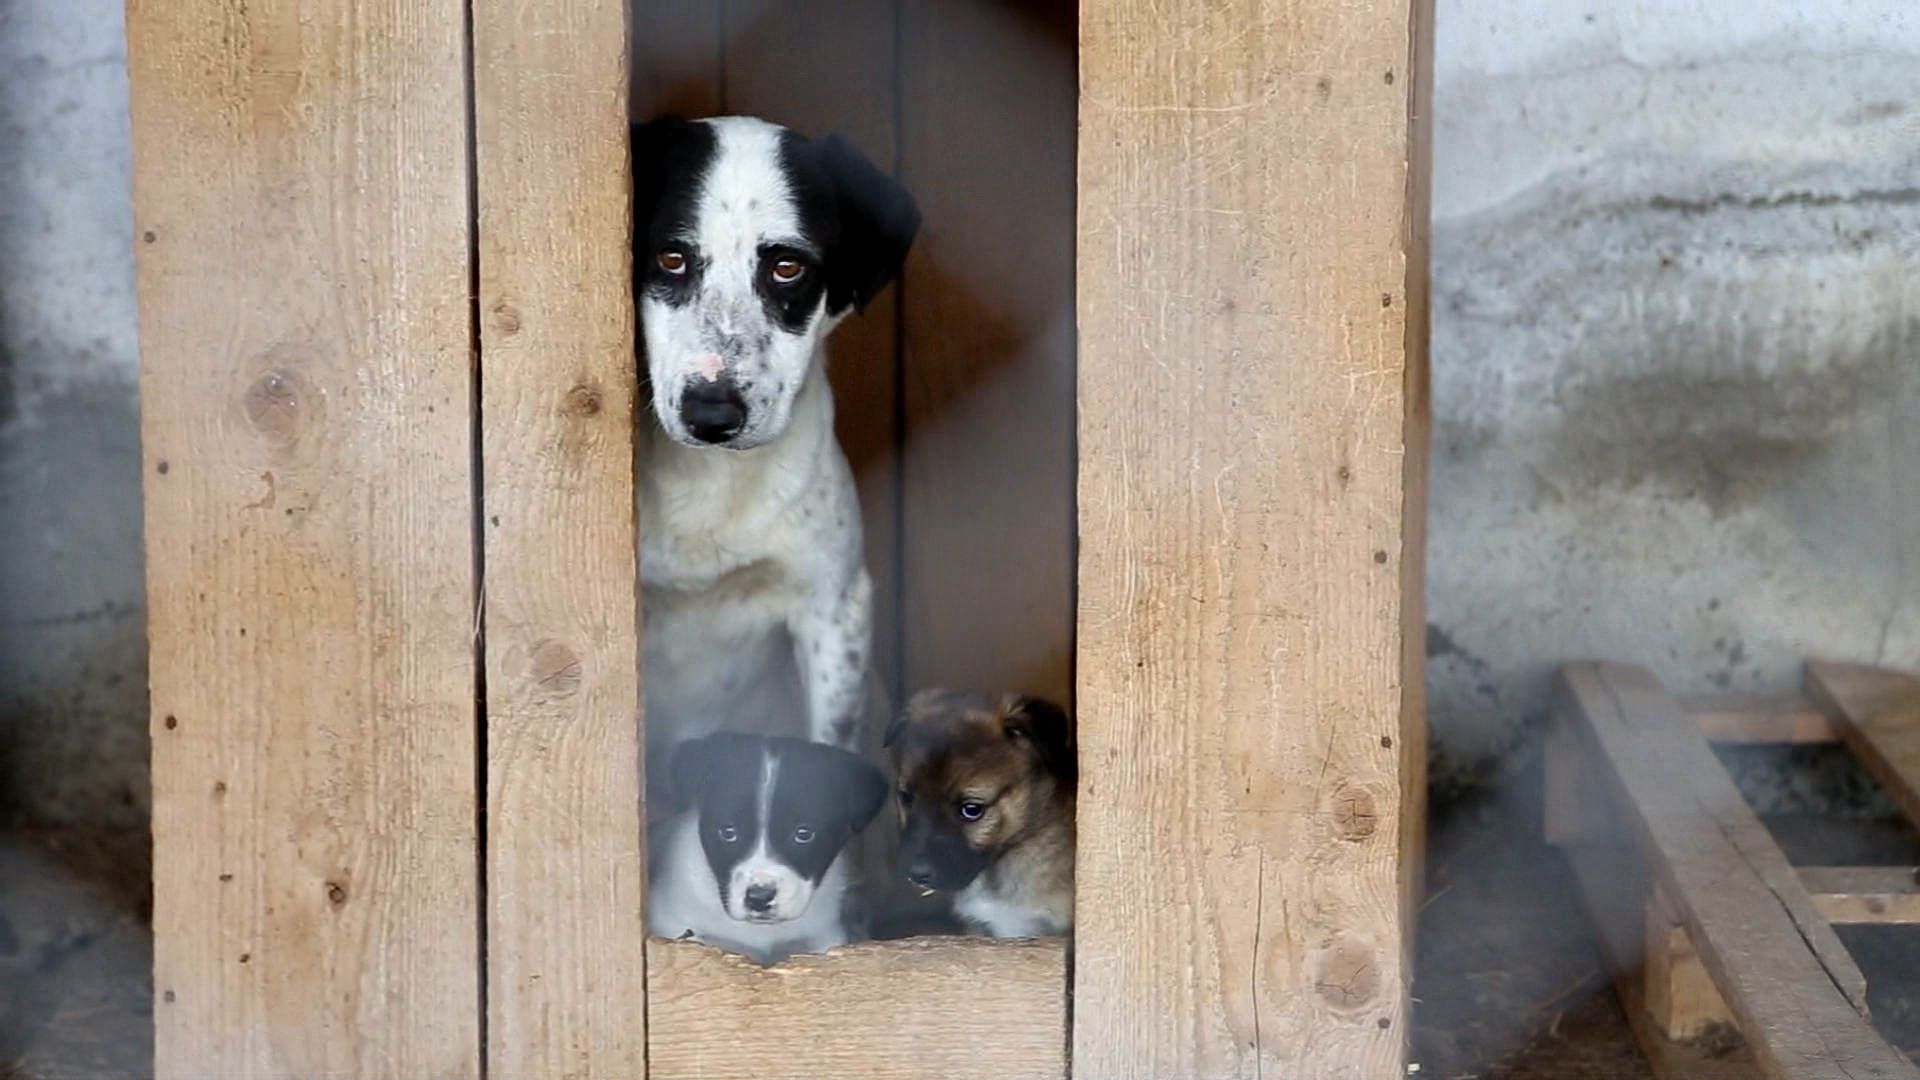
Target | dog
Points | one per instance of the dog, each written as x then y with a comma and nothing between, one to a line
754,862
752,243
985,795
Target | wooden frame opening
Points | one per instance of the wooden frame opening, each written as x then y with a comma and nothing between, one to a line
388,402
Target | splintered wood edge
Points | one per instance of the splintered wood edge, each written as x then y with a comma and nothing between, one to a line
932,1008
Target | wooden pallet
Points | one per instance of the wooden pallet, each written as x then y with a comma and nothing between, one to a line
1723,952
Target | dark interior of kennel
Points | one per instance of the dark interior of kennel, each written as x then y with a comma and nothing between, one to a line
954,391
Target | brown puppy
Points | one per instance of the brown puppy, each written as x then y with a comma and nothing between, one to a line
985,795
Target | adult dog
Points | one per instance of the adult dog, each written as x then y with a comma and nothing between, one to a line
751,244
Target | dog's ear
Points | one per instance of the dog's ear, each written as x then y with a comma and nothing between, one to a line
894,727
1047,728
649,145
878,221
864,788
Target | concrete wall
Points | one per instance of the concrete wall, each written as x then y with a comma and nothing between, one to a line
1676,347
72,633
1677,366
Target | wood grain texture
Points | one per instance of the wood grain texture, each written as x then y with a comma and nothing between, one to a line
1864,894
987,146
1244,447
1877,712
565,937
1799,997
827,67
302,227
1749,718
923,1009
1680,995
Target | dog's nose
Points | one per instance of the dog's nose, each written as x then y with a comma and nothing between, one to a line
920,874
759,899
713,411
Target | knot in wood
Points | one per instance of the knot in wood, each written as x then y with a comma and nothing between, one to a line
1354,814
556,668
274,404
584,400
1347,975
506,318
336,893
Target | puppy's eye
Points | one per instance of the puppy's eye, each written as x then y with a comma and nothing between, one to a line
803,835
787,271
673,262
972,811
727,834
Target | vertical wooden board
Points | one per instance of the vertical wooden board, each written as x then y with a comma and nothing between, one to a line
1246,450
301,182
675,65
987,121
558,389
820,67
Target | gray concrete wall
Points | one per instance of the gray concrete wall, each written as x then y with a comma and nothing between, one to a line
1676,347
1677,366
72,633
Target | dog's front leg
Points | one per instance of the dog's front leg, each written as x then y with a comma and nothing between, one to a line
833,644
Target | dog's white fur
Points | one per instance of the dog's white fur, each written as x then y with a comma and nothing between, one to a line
683,901
752,555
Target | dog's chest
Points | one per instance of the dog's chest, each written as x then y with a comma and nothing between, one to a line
1002,917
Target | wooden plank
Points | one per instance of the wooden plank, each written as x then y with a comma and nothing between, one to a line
987,146
565,938
1864,894
1755,718
1613,886
1878,714
1244,408
676,59
1800,998
922,1009
301,178
821,67
1680,995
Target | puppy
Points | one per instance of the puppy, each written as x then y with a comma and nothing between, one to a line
754,863
985,796
751,244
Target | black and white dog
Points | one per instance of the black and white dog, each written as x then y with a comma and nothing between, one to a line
754,862
751,244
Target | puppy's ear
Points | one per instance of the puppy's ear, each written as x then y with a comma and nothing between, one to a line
1047,728
649,145
894,727
864,788
878,221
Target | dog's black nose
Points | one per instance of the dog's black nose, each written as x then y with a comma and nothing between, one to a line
713,411
920,874
759,899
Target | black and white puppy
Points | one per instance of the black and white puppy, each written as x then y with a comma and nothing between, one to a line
755,863
751,244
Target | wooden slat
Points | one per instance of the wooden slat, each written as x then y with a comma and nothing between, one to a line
1680,995
1799,997
565,955
824,67
301,175
1754,718
1244,443
987,115
1864,894
922,1009
1878,714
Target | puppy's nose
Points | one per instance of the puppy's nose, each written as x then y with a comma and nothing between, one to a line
713,411
759,899
920,874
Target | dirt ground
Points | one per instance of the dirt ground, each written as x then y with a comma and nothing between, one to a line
1508,983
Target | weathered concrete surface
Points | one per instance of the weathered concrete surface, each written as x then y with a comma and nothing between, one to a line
1676,349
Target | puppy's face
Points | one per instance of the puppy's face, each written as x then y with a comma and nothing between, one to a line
975,775
773,816
750,244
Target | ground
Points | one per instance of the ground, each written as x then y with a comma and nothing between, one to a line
1508,983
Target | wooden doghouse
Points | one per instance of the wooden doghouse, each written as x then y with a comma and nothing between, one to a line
388,394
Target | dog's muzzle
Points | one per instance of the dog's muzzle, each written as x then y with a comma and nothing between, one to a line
713,410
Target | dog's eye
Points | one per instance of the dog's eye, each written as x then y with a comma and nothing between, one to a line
971,811
803,835
673,262
727,834
787,271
